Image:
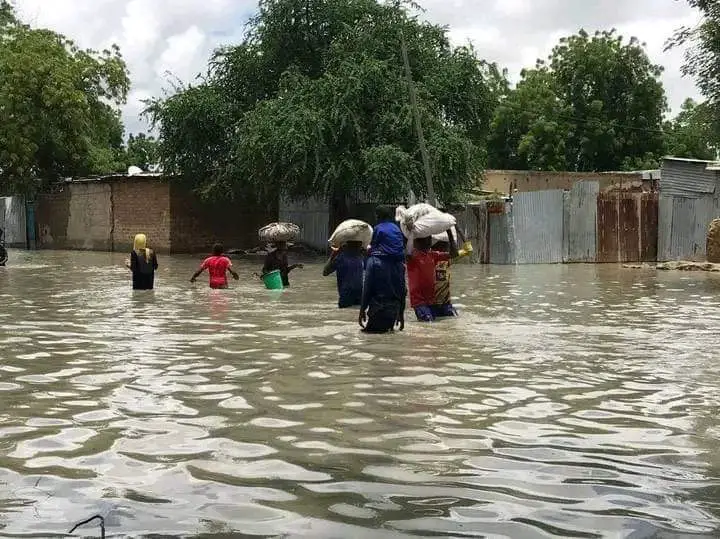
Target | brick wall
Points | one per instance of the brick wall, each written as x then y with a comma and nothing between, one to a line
141,206
196,225
105,214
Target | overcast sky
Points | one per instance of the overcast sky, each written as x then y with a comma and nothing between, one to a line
158,37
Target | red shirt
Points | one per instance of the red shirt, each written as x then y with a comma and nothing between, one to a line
421,276
217,267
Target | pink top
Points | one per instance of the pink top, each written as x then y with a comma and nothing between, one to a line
217,267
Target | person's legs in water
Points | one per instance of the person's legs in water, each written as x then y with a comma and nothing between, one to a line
351,275
424,313
443,311
382,316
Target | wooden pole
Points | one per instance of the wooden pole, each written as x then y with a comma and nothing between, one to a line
432,199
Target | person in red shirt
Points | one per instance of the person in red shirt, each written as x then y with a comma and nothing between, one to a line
421,266
218,266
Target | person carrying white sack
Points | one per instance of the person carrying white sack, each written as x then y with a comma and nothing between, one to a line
347,260
420,223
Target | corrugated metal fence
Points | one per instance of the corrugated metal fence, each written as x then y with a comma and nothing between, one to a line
682,226
555,226
13,221
312,216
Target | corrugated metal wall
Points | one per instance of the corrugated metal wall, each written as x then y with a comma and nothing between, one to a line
473,224
581,222
13,221
627,227
688,179
538,222
312,216
502,237
683,224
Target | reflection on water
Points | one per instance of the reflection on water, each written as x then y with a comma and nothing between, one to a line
573,401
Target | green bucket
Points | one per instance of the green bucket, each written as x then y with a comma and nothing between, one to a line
273,280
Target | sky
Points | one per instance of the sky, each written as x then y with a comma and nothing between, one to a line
164,40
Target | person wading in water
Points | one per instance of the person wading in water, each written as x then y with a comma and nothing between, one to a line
384,289
143,264
218,266
348,263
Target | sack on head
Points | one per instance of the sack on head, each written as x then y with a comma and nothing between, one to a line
351,230
279,232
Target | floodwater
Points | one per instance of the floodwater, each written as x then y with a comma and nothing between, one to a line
572,401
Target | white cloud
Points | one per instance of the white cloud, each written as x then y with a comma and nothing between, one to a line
157,36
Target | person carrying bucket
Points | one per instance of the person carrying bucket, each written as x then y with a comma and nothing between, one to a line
218,266
277,260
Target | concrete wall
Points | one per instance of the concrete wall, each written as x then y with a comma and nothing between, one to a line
90,217
13,221
522,181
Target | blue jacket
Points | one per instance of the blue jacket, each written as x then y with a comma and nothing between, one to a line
388,241
349,271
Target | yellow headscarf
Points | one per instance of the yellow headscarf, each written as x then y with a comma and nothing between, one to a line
140,245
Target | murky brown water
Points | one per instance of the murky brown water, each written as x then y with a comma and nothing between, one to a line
573,401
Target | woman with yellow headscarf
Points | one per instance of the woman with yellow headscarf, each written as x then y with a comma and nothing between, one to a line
142,263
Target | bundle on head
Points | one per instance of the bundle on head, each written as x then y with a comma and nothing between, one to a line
423,220
275,232
352,230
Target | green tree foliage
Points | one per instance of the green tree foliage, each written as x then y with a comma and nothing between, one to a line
702,58
597,104
314,101
690,134
142,151
58,107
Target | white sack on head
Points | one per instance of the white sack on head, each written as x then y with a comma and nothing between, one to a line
433,223
408,216
442,236
351,230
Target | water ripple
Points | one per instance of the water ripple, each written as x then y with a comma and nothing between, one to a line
569,401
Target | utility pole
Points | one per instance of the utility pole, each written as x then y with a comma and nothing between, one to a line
432,199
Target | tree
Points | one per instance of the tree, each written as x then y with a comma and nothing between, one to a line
59,107
691,133
142,151
597,104
702,57
314,101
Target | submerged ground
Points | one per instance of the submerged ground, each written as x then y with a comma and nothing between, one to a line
567,400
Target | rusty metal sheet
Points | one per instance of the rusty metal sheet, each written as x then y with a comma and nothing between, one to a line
629,228
472,222
580,234
538,223
649,212
607,227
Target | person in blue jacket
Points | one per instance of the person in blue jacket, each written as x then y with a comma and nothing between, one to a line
384,289
348,264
